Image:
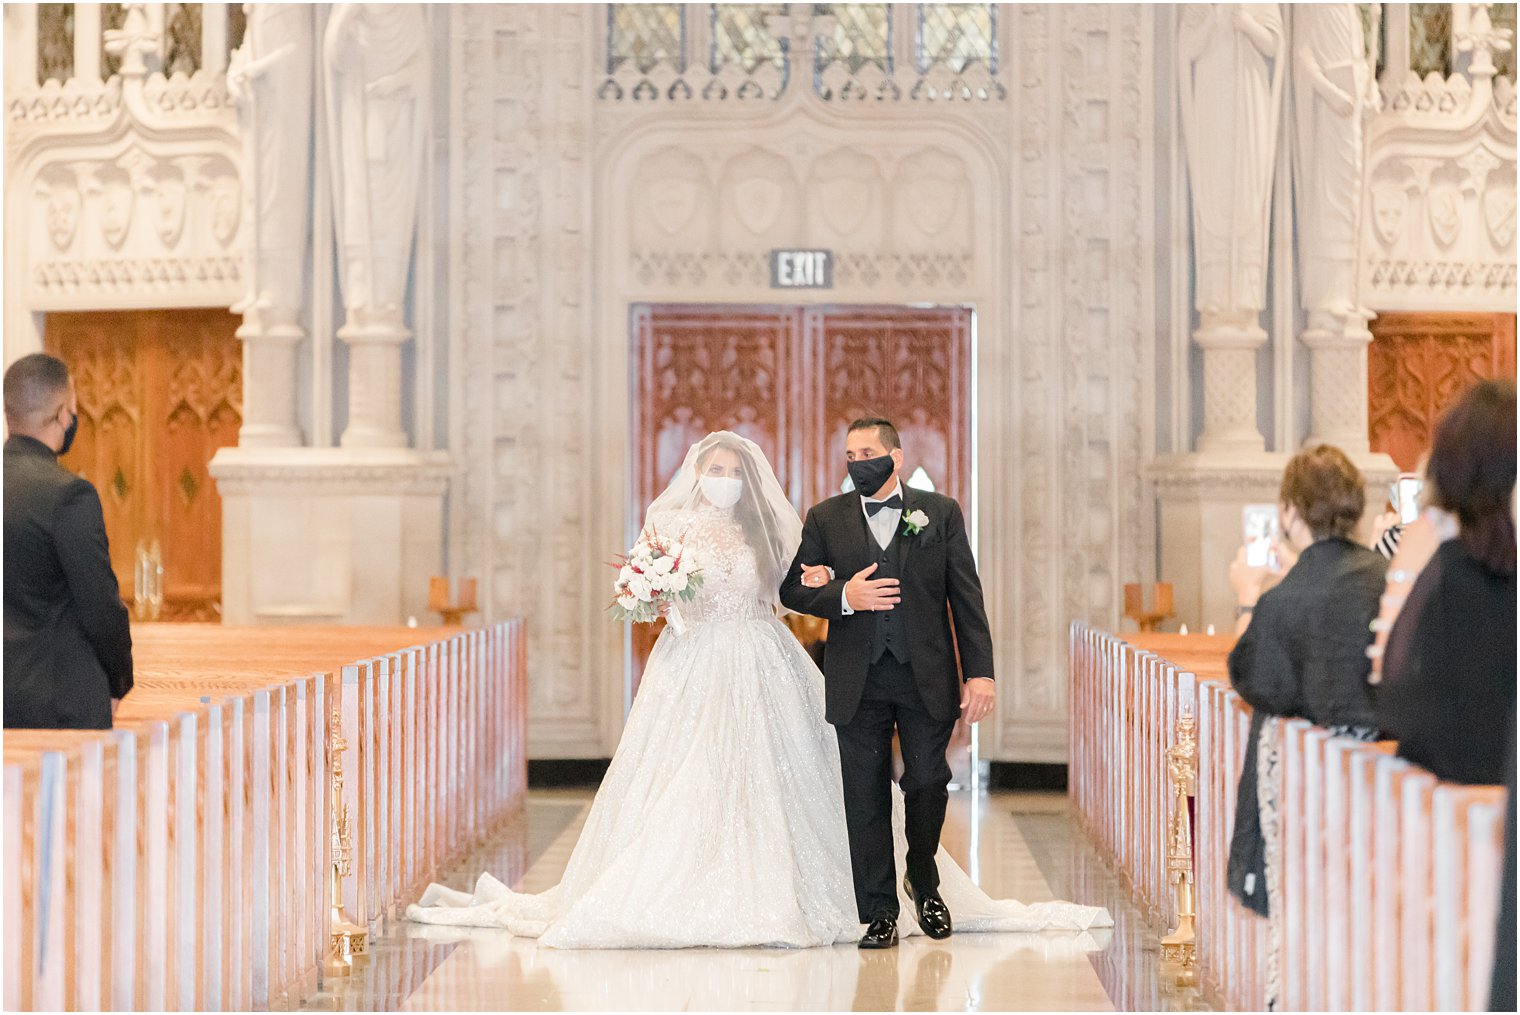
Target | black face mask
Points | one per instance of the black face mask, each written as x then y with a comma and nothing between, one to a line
68,435
870,474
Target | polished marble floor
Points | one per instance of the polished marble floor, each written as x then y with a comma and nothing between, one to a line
1021,845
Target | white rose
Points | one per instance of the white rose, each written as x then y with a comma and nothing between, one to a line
664,565
638,587
629,603
676,549
677,582
918,519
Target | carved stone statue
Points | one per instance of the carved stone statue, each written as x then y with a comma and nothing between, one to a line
271,78
1333,93
1231,94
375,59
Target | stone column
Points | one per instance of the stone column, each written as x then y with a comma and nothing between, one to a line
271,78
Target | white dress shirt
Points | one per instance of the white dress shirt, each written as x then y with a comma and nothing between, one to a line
883,527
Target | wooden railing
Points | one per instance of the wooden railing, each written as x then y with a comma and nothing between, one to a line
1390,877
184,859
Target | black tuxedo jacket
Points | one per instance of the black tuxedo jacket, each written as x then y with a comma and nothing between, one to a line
940,593
68,647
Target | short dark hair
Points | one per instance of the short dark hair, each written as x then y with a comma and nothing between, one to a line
32,384
1472,472
1326,490
883,427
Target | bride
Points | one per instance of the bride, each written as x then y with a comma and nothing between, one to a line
720,822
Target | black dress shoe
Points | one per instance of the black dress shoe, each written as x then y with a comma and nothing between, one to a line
933,914
881,934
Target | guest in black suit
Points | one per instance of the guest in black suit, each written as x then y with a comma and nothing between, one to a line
1448,688
68,649
896,627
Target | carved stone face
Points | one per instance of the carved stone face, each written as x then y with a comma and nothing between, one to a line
1388,203
116,205
63,210
225,197
167,189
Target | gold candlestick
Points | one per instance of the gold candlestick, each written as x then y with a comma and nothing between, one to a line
1180,946
350,942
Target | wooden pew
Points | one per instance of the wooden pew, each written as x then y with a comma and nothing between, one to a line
182,860
1390,878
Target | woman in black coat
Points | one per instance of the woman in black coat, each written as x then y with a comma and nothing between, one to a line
1303,653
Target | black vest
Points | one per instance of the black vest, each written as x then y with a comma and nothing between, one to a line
888,634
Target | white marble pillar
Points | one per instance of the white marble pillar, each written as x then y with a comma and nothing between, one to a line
376,67
1230,67
271,77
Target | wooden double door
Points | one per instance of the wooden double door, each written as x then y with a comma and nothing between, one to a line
159,392
791,379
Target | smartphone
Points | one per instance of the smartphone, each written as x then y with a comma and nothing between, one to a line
1407,499
1260,524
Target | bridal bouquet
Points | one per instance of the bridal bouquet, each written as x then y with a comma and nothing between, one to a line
657,570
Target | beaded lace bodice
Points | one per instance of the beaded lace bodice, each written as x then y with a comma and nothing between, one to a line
731,584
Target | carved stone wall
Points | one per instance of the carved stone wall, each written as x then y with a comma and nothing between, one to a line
1439,229
524,424
1025,204
120,194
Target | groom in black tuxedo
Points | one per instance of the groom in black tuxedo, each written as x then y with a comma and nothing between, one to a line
890,663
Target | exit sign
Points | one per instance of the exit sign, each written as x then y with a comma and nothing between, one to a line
802,269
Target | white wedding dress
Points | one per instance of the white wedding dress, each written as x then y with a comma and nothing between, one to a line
720,822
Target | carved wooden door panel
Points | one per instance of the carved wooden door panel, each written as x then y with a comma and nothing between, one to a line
159,392
1419,364
907,364
791,379
699,369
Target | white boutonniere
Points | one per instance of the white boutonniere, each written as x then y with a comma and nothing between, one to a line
915,522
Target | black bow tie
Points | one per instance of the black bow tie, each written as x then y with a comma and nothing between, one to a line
892,503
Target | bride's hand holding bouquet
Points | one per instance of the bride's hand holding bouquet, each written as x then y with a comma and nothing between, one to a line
653,577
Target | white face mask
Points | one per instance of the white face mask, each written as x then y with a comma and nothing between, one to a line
722,491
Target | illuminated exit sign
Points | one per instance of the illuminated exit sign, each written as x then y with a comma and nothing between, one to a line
802,269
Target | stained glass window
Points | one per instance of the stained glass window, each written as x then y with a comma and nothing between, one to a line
1503,16
646,35
740,35
957,35
237,26
112,17
1430,38
862,37
184,31
55,42
1373,34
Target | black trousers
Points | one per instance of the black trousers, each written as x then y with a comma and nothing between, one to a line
892,702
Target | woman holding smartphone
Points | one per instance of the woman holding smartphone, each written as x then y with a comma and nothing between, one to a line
1303,649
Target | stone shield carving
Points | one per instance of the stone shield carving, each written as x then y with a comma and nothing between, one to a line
759,202
673,202
1499,215
1445,211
